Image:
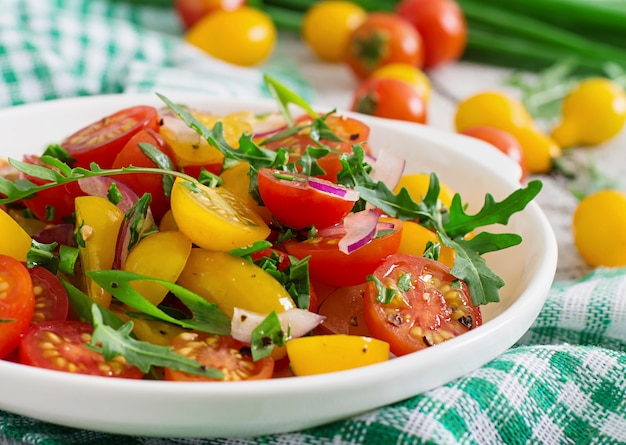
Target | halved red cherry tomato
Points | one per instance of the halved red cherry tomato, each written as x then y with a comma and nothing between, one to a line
230,356
17,303
102,140
383,38
351,132
142,183
54,205
430,305
331,266
297,200
51,302
62,346
390,98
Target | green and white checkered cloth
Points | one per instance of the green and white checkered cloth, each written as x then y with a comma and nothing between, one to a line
563,383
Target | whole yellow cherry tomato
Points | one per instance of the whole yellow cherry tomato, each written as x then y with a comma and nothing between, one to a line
159,255
407,73
230,281
245,36
214,218
414,240
417,186
327,25
153,331
499,110
319,354
593,112
98,223
15,241
599,228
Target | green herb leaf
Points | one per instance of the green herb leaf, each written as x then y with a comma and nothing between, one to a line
284,96
207,317
162,161
266,335
41,254
113,342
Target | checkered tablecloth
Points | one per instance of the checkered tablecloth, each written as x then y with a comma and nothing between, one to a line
563,383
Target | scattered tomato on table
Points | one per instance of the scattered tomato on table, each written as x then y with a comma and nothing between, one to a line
390,98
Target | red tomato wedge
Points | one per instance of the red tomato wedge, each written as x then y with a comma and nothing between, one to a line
329,265
430,305
51,302
62,346
101,141
230,356
142,183
299,201
17,303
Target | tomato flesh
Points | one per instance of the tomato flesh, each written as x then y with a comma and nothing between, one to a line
17,303
62,346
101,141
430,306
51,302
230,356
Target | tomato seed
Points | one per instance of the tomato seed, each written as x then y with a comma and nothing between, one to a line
86,232
47,353
51,337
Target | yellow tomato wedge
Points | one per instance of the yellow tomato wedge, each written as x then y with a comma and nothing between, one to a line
15,241
98,223
414,240
319,354
160,255
417,186
237,181
230,281
214,218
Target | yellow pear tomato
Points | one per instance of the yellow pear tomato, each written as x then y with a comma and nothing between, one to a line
417,186
327,25
159,255
230,281
214,218
593,112
599,228
98,223
15,241
414,240
319,354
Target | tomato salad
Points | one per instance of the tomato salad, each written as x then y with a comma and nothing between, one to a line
176,244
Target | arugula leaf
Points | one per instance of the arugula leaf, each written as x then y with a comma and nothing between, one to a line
82,305
43,255
162,161
111,343
284,96
207,317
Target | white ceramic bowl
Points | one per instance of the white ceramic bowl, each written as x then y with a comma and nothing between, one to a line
181,409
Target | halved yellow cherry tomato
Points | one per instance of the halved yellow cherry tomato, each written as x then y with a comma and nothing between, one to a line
414,240
230,281
319,354
214,218
237,180
417,186
98,223
153,331
15,241
160,255
167,222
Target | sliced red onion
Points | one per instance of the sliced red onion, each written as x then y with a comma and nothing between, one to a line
183,133
334,189
295,322
268,125
336,231
100,185
62,234
388,168
360,229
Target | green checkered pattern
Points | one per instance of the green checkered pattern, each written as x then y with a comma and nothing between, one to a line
563,383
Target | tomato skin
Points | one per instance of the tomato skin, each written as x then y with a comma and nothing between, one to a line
15,241
412,321
17,303
245,36
331,266
381,39
142,183
230,356
62,346
389,98
61,197
101,141
190,11
503,141
295,203
442,26
51,302
409,74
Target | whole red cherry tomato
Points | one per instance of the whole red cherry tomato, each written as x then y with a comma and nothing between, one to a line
390,98
442,26
190,11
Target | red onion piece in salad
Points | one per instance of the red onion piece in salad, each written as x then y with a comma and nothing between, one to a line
62,234
388,168
360,230
297,322
268,125
334,189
